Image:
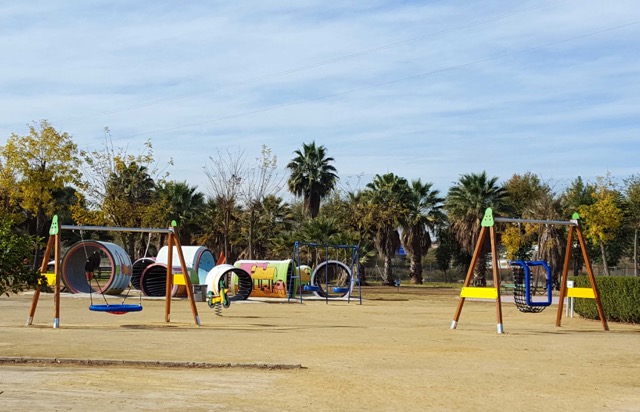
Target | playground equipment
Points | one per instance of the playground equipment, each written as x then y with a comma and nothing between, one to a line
271,278
220,299
54,244
137,269
523,290
493,293
332,267
93,272
238,280
116,274
199,261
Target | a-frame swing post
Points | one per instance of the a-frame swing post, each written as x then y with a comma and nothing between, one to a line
565,275
56,295
174,241
43,269
169,280
590,293
592,279
467,280
483,292
496,278
187,277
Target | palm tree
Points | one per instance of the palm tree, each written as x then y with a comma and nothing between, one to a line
424,215
312,176
551,238
387,197
128,200
465,205
273,216
185,204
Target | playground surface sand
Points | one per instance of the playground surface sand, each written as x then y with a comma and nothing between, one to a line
395,352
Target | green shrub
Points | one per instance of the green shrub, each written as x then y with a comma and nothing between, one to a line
15,272
620,298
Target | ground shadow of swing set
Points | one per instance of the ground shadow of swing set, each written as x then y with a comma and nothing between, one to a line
527,304
54,245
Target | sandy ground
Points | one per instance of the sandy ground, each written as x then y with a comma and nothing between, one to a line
393,353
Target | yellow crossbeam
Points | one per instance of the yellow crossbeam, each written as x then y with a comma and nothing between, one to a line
479,293
178,279
580,293
51,278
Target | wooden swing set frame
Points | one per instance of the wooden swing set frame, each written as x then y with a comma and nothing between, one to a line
54,244
488,222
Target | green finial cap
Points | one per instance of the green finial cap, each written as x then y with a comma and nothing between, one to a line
575,216
174,224
54,226
487,220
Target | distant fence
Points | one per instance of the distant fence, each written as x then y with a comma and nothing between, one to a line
430,273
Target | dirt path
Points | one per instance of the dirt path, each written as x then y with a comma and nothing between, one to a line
395,352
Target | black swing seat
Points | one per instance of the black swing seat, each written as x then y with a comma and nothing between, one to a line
116,309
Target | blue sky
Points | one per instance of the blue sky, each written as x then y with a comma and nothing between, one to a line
423,89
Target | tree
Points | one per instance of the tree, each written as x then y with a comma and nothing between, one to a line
529,198
9,197
130,202
39,164
632,186
120,190
184,205
386,197
465,204
274,217
16,274
424,214
351,212
260,181
225,175
312,176
522,192
447,251
603,217
578,194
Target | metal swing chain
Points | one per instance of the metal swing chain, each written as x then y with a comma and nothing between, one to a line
86,256
146,250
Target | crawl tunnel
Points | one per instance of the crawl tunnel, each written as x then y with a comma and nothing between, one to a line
138,268
331,279
111,277
237,280
198,259
273,278
153,281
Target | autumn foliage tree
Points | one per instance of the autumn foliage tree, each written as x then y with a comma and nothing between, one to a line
121,191
37,165
633,206
603,217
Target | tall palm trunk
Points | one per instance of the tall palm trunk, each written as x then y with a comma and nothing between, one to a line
387,273
415,268
480,271
386,247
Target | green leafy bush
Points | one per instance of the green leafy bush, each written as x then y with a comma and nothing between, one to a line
16,273
620,298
